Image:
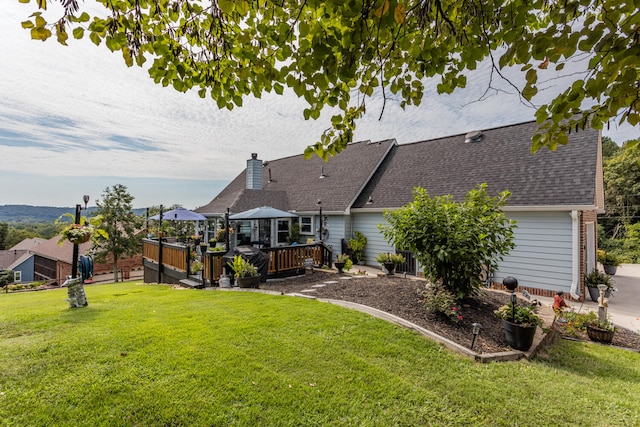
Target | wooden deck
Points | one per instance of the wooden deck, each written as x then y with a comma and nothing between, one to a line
175,259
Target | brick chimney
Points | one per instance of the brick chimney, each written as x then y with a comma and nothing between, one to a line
254,173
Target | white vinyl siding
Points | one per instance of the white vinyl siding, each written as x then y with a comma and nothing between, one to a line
542,257
367,224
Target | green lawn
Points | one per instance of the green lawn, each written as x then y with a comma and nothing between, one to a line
148,355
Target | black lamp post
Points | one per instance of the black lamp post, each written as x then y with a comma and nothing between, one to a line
319,203
511,283
74,258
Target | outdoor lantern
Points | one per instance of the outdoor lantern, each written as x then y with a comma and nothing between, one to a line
85,198
510,283
475,331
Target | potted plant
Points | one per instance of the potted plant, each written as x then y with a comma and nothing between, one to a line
82,232
342,262
597,330
595,278
609,261
390,261
357,245
519,323
196,266
245,272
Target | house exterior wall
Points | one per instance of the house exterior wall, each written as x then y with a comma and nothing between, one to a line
26,270
336,225
542,257
367,224
541,260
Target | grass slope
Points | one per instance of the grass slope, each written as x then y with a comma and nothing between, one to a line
148,355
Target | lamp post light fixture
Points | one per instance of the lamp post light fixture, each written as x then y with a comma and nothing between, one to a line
74,259
511,283
475,331
319,203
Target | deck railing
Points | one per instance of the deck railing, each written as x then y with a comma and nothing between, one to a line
283,260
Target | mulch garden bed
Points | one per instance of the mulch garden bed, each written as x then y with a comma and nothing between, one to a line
403,297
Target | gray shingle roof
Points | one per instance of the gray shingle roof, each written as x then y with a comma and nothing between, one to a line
502,159
292,183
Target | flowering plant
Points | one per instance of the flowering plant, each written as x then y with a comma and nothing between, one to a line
437,299
77,233
80,233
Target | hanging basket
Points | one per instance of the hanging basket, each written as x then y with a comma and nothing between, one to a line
78,234
80,239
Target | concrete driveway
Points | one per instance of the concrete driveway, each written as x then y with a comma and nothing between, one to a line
624,304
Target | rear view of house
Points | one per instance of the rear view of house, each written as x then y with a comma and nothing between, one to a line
555,196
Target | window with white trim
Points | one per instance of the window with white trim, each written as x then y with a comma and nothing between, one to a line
17,276
306,225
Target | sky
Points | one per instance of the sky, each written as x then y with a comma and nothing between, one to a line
76,120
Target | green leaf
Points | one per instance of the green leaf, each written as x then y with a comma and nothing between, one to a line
227,6
78,33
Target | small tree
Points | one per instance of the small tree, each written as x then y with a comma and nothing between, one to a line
453,241
6,277
120,222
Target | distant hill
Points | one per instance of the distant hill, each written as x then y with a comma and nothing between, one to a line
30,214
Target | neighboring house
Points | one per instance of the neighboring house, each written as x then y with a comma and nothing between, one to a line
555,196
52,262
19,259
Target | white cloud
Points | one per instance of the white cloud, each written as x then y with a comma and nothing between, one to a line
78,111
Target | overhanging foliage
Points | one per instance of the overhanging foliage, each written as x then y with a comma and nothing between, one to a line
337,53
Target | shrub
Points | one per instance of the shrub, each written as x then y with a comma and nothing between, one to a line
437,299
357,245
454,242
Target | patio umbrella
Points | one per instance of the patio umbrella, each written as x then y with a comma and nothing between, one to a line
264,212
180,214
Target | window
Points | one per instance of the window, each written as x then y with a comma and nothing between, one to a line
306,225
17,276
283,231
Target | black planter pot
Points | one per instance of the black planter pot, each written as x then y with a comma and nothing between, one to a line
594,293
390,267
517,336
610,269
248,282
339,266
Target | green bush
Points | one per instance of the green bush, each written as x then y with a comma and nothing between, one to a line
357,245
454,242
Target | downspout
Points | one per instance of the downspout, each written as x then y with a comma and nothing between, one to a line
575,250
